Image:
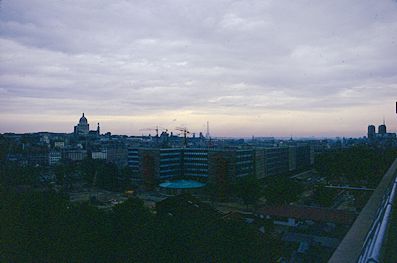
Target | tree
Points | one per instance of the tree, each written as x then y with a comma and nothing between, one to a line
46,227
249,189
12,174
324,196
88,168
63,172
282,190
360,165
107,176
132,224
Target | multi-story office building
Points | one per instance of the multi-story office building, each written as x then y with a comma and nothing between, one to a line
303,156
195,163
116,153
276,160
226,166
133,159
244,162
170,161
157,163
292,158
259,163
216,164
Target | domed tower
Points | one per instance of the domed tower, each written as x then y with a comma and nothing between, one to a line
83,120
82,128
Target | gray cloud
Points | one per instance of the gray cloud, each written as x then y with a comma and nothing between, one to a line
123,58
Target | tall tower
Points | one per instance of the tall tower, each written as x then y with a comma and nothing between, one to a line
382,128
371,132
207,135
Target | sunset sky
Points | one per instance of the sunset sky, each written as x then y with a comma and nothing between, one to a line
263,68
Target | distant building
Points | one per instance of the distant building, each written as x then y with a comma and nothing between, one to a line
74,154
259,163
276,160
226,165
202,164
303,156
82,128
292,158
159,164
382,129
99,155
38,158
216,164
293,216
195,162
371,132
59,145
133,159
382,138
54,157
117,154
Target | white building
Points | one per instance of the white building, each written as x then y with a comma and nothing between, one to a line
99,155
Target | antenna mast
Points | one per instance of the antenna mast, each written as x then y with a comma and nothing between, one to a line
207,135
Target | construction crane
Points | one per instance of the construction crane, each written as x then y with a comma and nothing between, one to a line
185,131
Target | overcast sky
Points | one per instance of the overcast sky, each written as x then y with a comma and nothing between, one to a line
263,68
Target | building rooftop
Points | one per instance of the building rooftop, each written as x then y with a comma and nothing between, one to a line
309,213
182,184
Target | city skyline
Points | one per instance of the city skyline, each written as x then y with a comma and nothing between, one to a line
151,130
261,68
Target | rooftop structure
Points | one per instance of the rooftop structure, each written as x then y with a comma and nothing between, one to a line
182,184
325,215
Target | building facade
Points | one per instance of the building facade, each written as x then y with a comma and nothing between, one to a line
276,160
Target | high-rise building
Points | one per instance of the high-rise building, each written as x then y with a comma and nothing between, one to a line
371,132
303,154
195,162
276,160
382,129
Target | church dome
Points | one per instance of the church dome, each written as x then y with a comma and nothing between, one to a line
83,120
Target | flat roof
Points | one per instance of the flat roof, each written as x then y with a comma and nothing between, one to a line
309,213
182,184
